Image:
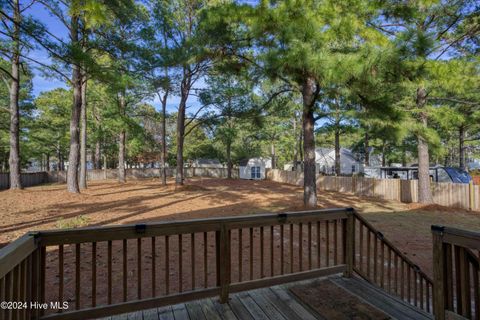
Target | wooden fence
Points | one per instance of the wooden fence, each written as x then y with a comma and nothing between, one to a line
37,178
454,195
29,179
108,270
133,174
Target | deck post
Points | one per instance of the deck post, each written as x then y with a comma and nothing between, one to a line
223,261
438,274
349,237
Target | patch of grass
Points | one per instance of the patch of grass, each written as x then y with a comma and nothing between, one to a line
76,222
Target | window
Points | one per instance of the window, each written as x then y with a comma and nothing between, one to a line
255,173
353,168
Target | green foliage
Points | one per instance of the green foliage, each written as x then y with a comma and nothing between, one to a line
50,128
367,59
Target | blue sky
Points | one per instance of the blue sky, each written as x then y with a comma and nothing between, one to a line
45,82
40,82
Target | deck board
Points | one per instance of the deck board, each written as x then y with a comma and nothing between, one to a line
180,312
256,312
275,303
288,312
165,313
224,310
195,311
150,314
271,312
239,309
286,297
209,310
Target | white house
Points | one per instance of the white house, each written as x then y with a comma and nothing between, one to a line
473,164
325,161
254,168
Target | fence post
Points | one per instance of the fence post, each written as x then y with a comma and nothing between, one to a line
471,195
438,273
399,190
222,238
349,245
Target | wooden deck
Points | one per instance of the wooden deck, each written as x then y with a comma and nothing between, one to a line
275,303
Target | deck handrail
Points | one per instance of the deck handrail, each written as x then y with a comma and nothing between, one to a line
14,253
393,271
392,246
131,231
456,270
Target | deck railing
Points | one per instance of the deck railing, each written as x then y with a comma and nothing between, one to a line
101,271
456,260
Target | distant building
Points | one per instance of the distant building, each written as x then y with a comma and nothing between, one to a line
290,167
350,162
325,161
254,168
473,164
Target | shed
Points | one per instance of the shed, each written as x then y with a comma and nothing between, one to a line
254,168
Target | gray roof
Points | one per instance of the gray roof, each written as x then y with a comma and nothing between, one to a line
343,152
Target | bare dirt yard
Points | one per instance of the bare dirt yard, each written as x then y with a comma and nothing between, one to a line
108,203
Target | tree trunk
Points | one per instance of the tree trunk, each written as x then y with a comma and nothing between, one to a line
424,192
94,160
309,184
58,157
74,154
272,150
121,157
121,144
83,135
163,156
14,158
300,144
61,164
229,160
98,156
337,151
384,158
47,163
461,147
367,149
4,162
181,135
295,145
184,93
